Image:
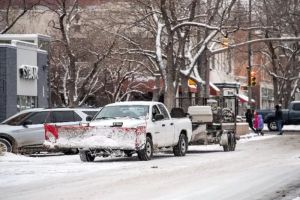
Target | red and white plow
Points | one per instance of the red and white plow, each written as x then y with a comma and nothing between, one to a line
93,137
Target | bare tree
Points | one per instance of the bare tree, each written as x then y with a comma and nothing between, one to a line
172,26
86,61
12,10
282,58
77,59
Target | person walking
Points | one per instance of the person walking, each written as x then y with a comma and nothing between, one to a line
249,119
279,119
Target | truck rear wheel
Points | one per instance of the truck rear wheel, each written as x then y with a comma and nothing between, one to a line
147,152
86,156
272,126
181,148
5,145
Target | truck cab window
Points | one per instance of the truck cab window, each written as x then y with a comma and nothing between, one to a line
296,106
164,111
155,111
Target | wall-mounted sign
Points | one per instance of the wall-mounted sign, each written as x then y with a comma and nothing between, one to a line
28,72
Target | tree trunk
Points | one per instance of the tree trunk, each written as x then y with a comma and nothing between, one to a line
185,93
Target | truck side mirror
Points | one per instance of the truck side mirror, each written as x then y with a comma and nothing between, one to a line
158,117
88,118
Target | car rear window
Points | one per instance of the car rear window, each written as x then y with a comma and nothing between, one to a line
64,116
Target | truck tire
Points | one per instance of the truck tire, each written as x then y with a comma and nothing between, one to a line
85,156
5,145
272,125
147,152
181,148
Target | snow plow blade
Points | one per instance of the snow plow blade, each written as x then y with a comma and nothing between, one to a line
92,137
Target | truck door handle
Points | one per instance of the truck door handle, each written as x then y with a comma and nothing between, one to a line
163,125
172,124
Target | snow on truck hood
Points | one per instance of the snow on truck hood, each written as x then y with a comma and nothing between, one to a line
126,122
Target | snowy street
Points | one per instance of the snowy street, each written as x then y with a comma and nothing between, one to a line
262,167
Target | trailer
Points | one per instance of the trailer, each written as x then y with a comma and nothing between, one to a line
217,125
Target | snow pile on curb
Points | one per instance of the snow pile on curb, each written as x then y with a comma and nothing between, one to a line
254,137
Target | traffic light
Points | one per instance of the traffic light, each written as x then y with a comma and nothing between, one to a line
253,78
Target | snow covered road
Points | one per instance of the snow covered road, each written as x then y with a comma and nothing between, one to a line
261,168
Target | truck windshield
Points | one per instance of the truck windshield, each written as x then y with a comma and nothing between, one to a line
124,111
17,120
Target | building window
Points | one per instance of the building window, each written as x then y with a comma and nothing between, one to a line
26,102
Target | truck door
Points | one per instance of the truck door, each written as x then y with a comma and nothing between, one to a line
294,114
169,134
160,136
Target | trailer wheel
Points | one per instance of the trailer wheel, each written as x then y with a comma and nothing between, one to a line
226,148
181,148
147,152
232,142
86,156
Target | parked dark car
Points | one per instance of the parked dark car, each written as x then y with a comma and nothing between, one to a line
291,116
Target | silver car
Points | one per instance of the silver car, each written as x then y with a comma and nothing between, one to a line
25,130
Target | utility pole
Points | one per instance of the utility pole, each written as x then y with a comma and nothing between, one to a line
249,69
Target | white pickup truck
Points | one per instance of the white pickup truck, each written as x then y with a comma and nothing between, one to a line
132,127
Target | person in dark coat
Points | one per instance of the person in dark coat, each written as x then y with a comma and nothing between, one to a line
249,119
279,119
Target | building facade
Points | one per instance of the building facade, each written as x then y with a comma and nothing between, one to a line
23,73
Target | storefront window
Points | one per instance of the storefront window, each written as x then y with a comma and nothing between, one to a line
26,102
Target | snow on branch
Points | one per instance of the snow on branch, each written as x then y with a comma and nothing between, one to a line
282,39
195,24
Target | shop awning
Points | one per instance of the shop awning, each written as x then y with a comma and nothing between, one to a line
193,88
214,90
243,98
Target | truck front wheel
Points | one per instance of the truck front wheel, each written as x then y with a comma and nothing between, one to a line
86,156
181,148
147,152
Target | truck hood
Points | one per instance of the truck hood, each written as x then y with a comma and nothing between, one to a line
120,122
4,128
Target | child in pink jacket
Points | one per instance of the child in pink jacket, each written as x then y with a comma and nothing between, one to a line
258,123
